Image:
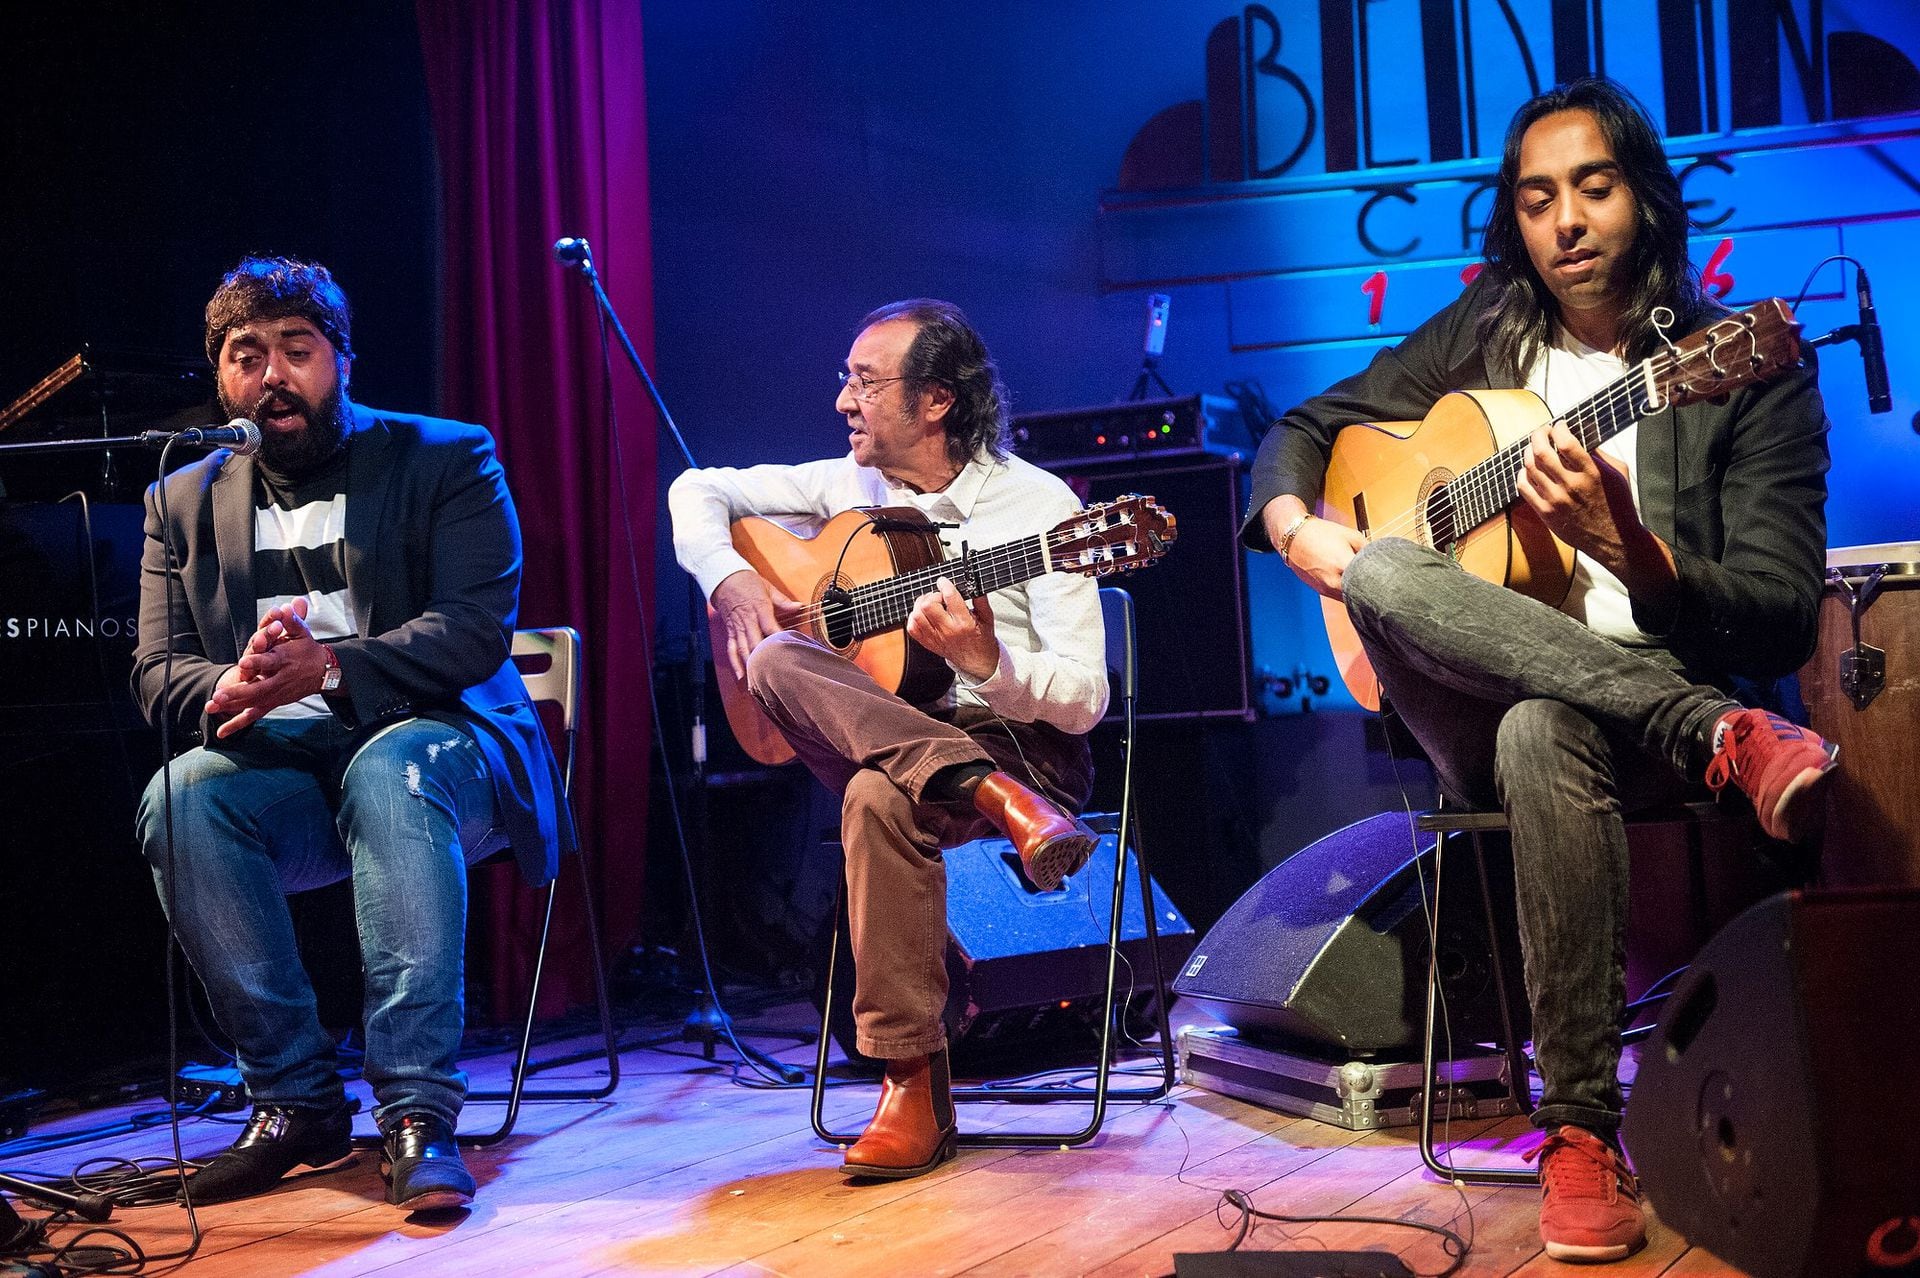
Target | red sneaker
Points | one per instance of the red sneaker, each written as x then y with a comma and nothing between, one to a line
1777,765
1589,1203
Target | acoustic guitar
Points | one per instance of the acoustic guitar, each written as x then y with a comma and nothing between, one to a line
858,577
1448,482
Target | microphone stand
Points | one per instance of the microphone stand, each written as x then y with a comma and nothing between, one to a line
146,439
91,1207
707,1023
91,441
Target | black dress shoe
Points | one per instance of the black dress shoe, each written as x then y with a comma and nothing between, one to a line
420,1161
277,1139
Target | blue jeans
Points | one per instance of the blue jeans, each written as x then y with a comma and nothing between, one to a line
290,804
1521,707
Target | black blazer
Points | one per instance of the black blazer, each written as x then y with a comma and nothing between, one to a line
433,564
1738,490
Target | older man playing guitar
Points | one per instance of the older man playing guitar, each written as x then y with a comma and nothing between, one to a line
987,729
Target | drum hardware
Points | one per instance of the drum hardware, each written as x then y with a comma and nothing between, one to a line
1863,668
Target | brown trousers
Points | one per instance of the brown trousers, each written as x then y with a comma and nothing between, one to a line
878,752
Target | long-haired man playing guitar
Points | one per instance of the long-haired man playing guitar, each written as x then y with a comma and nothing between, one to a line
1700,535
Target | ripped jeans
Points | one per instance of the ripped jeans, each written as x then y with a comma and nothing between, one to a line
290,804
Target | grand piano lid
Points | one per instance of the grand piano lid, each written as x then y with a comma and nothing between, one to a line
112,390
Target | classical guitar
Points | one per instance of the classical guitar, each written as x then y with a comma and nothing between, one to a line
1448,481
859,576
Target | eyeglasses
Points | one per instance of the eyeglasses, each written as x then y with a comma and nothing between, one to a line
862,386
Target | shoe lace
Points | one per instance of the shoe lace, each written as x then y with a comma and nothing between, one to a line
1726,761
1723,767
1581,1169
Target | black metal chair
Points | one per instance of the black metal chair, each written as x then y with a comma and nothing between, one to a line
1116,608
1449,826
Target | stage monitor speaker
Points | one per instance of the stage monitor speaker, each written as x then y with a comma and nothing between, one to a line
1022,964
1329,950
1192,607
1768,1118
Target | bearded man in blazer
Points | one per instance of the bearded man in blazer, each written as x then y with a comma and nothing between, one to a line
324,630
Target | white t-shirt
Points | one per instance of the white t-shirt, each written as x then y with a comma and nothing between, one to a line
1563,375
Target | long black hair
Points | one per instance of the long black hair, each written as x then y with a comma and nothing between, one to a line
1516,321
947,350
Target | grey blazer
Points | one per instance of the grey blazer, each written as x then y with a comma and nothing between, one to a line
433,564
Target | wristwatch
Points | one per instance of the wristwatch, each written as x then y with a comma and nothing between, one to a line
330,681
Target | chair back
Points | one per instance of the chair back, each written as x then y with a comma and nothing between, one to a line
1116,609
549,664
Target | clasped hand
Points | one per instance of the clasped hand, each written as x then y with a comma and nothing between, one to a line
282,664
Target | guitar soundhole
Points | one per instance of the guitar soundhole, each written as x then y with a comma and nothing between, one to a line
835,601
1437,520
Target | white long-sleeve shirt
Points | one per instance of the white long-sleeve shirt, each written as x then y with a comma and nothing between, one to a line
1052,665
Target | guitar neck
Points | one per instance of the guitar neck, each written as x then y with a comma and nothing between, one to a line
880,606
1488,488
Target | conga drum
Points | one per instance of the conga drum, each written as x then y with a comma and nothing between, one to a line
1862,691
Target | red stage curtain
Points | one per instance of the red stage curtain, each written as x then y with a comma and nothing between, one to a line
539,113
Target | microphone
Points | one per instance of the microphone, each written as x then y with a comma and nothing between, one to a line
572,250
1872,353
241,435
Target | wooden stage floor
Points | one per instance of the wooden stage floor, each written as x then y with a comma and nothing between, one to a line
684,1172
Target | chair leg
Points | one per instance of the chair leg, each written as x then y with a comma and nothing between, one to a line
818,1112
1160,997
521,1067
1435,1093
1518,1072
1102,1093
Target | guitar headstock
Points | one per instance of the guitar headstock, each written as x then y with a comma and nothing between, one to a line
1115,536
1740,350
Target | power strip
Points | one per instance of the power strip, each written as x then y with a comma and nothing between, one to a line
219,1083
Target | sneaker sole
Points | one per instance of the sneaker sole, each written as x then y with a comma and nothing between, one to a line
1799,813
1593,1255
1054,861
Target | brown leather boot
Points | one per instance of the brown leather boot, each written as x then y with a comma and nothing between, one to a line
912,1131
1051,844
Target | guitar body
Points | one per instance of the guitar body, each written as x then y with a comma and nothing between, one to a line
1380,477
853,549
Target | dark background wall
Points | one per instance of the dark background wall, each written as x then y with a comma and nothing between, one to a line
145,149
148,147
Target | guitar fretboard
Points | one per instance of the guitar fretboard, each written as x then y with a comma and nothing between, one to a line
880,606
1486,489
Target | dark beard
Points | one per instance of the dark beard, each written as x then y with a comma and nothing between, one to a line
302,453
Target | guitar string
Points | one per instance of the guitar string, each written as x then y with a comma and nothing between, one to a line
1492,481
862,600
1486,482
869,604
874,601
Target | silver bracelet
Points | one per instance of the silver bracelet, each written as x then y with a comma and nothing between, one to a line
1285,547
